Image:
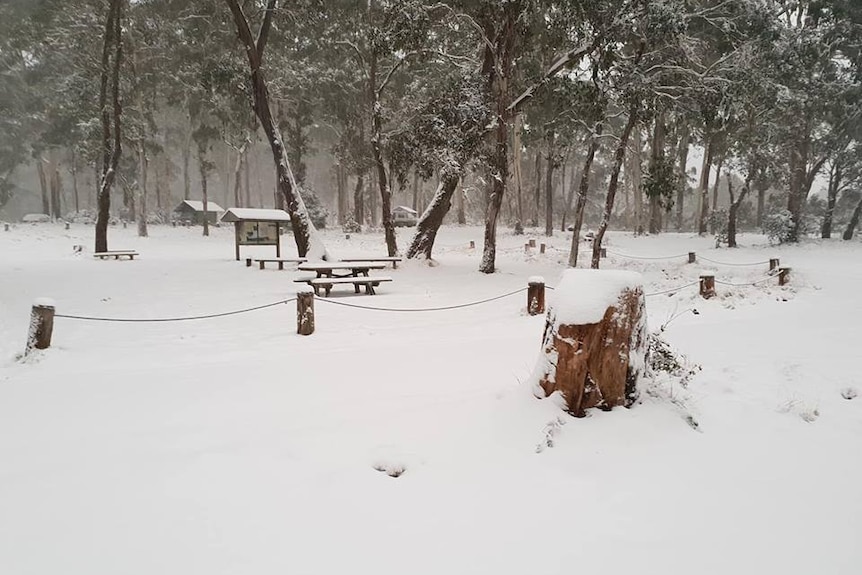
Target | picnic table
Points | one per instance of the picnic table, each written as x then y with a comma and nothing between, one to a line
330,274
280,261
388,259
116,254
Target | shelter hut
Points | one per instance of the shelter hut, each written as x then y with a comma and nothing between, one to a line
192,212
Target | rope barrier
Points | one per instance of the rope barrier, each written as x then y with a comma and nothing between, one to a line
754,283
441,308
688,285
732,264
169,319
648,257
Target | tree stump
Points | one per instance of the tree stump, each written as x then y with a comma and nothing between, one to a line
783,276
594,345
536,295
541,248
305,312
532,242
707,286
41,326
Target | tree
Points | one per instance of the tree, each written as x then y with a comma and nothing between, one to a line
308,244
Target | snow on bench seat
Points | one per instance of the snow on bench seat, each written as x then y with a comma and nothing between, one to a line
327,283
116,254
279,261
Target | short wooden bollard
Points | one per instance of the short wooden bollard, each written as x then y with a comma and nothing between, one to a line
783,276
346,236
692,257
526,248
305,312
541,248
173,224
67,225
707,286
536,296
125,225
472,244
603,252
248,262
774,264
6,227
532,243
41,327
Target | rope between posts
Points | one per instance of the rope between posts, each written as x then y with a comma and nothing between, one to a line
169,319
732,264
688,285
647,257
754,283
441,308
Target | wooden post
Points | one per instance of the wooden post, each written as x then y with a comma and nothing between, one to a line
541,248
707,286
125,225
472,244
248,262
278,231
603,252
692,257
236,232
305,312
346,236
6,227
773,264
783,276
526,248
533,243
67,225
536,296
41,327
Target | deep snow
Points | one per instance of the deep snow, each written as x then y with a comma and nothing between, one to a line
233,445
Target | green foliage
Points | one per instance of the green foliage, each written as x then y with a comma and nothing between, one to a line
661,180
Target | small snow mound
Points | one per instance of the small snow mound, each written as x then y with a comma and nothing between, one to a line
849,393
44,302
535,280
391,469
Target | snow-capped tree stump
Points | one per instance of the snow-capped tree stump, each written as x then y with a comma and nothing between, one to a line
707,286
594,346
305,312
536,295
783,276
41,326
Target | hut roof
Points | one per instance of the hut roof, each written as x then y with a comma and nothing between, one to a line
198,206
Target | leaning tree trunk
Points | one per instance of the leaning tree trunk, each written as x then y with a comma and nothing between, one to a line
854,222
432,218
619,156
308,244
583,189
110,117
703,204
733,210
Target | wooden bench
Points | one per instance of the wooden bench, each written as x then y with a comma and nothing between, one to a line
279,261
393,259
327,283
116,254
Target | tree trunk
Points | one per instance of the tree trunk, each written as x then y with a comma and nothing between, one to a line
308,244
583,189
538,189
733,210
75,181
831,198
247,178
372,199
377,155
761,201
657,156
619,156
637,181
682,158
432,218
202,166
703,207
187,179
359,200
570,196
56,189
415,191
110,116
43,185
854,222
519,183
142,191
549,186
237,175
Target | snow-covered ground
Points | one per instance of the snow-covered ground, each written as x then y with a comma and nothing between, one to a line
233,445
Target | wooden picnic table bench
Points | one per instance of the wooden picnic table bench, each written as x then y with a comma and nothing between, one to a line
341,269
327,284
116,254
279,261
389,259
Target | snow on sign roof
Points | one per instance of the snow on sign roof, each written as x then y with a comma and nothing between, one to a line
583,296
406,209
257,214
198,206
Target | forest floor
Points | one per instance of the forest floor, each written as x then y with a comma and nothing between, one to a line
233,445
